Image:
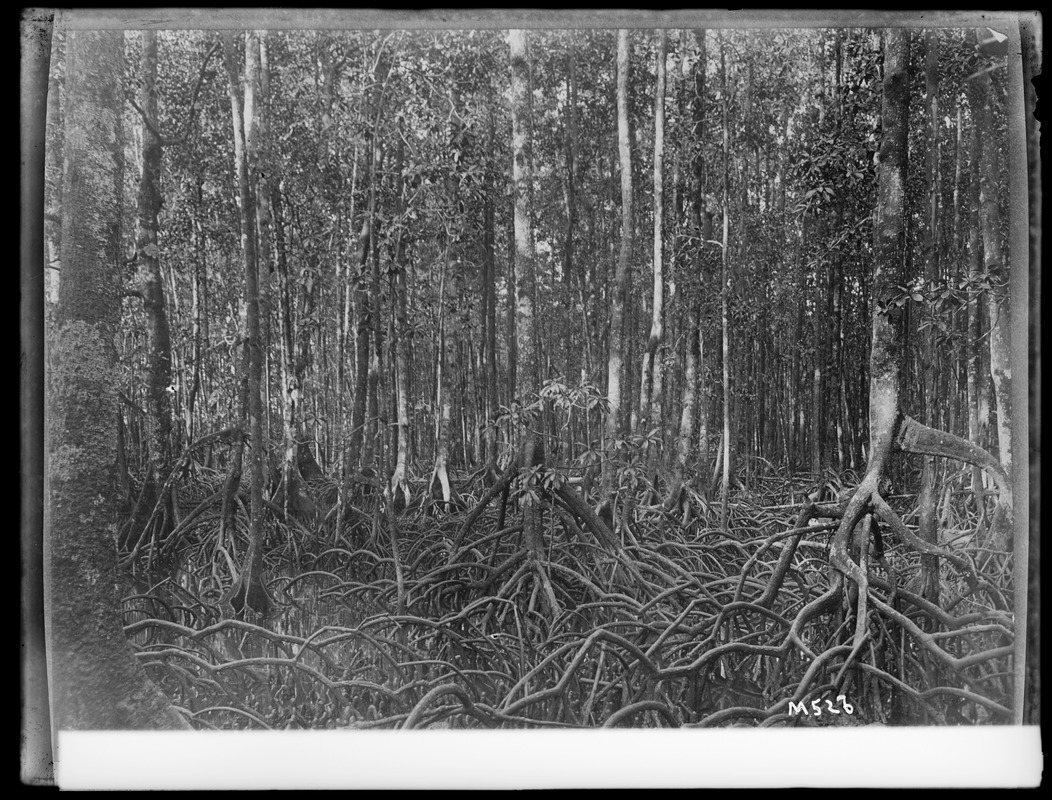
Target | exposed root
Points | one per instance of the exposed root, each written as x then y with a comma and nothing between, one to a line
678,631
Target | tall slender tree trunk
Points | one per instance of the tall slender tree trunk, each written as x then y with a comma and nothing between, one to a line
651,380
365,306
353,454
529,368
615,358
489,293
570,196
440,486
973,249
363,310
703,224
150,280
525,290
257,82
525,277
676,496
512,326
96,682
348,281
838,412
818,346
818,318
373,428
725,301
400,495
150,287
926,500
290,378
248,589
694,361
198,386
796,418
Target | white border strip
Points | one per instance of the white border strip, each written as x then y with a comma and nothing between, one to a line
831,757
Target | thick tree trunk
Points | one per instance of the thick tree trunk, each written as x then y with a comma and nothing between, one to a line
890,429
994,264
888,331
96,683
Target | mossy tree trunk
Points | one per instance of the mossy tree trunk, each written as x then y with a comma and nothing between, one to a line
96,683
149,286
994,265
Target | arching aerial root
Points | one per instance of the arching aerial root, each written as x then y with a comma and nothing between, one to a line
866,503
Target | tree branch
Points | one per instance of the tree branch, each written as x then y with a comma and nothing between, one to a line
150,124
913,437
